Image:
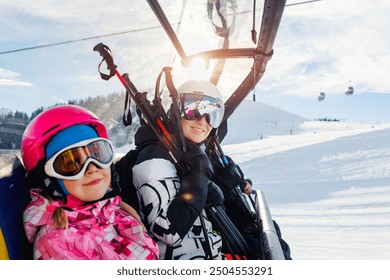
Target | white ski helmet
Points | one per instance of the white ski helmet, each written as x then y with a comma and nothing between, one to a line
200,97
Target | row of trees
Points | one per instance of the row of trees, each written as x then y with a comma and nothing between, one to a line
327,120
24,115
16,115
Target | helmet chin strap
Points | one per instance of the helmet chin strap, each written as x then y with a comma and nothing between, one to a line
115,186
54,189
62,185
37,178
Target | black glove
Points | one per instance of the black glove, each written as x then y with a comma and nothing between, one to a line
195,180
195,159
230,176
214,195
191,199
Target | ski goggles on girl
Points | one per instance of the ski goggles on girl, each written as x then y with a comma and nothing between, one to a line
71,162
196,106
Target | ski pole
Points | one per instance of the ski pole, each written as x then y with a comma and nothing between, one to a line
157,126
224,158
215,152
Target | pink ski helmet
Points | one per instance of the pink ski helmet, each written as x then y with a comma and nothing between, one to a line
48,123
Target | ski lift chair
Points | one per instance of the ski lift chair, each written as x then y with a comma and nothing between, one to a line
349,90
321,97
14,197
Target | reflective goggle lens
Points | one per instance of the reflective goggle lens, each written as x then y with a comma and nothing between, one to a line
69,162
198,105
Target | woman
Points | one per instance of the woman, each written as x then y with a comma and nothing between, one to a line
172,203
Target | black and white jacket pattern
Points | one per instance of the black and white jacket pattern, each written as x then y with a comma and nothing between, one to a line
157,183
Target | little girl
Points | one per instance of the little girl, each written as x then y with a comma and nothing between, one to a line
75,212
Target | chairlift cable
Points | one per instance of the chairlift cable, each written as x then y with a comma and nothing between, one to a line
300,3
79,40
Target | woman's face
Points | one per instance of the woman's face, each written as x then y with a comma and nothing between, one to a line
196,130
92,186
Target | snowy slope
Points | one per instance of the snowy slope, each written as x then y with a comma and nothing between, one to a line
327,185
262,119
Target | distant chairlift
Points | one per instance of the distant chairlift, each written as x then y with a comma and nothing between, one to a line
321,97
349,90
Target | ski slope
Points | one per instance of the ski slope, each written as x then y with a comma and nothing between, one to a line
327,184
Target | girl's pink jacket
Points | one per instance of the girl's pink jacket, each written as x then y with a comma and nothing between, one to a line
96,231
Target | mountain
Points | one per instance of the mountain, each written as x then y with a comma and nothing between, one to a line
257,120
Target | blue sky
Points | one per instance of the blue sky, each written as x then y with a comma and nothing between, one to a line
321,46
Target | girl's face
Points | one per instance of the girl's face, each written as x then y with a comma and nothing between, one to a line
92,186
196,130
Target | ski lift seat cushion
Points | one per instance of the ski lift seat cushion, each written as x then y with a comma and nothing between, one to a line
14,197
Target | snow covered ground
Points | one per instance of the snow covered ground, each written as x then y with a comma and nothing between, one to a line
327,185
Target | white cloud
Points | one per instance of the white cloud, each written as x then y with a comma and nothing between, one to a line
7,82
8,78
5,73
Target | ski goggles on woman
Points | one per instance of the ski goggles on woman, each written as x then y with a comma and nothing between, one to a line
71,162
196,106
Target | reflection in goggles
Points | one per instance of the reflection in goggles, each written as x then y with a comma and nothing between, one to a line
197,105
71,162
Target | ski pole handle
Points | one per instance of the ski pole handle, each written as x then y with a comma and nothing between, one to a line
105,52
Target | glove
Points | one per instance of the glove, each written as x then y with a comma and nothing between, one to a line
191,199
194,183
230,176
196,160
214,195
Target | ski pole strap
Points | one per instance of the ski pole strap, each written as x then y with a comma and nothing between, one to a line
127,118
105,52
